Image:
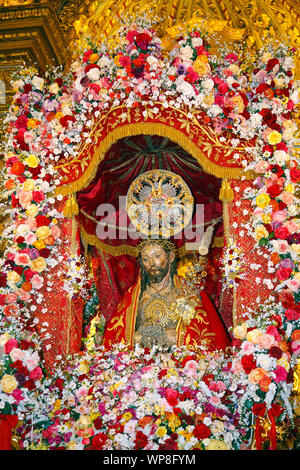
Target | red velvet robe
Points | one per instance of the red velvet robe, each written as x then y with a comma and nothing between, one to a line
206,327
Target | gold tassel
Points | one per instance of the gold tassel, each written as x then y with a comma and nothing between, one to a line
71,207
226,193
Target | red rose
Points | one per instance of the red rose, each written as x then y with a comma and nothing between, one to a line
267,148
169,444
44,252
141,440
59,383
248,363
283,273
276,352
66,119
282,233
292,314
27,88
28,274
281,146
268,117
143,40
99,441
271,64
98,423
162,373
21,122
2,280
38,196
42,220
259,409
201,431
171,396
295,174
261,88
274,190
9,345
276,169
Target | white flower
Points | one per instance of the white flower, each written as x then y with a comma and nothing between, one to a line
187,52
281,156
104,61
256,119
197,42
215,109
208,84
266,362
93,74
38,82
186,88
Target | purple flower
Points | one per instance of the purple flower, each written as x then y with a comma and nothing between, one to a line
276,225
287,263
181,70
33,253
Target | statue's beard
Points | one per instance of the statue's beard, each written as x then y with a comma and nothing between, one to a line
156,275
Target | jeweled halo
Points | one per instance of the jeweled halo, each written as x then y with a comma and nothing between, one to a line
159,203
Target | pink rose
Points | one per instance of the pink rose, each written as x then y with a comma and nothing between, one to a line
295,347
293,284
10,298
265,341
190,368
55,231
279,216
25,198
30,238
280,374
262,166
36,374
291,226
287,198
22,259
171,396
37,281
10,345
16,354
31,223
292,314
18,395
247,347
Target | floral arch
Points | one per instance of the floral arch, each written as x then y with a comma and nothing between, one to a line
237,120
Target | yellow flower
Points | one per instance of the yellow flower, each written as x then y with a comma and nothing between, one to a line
274,138
83,367
253,335
161,431
94,415
215,444
31,123
94,58
261,232
240,331
8,383
43,232
32,210
262,200
38,264
290,188
266,218
57,404
32,161
39,244
127,416
12,276
201,65
58,115
209,99
28,185
4,338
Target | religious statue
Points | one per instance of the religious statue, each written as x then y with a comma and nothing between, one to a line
158,310
161,307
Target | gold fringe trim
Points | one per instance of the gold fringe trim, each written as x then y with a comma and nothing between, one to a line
125,249
160,129
226,192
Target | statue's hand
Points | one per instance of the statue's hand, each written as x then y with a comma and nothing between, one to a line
171,335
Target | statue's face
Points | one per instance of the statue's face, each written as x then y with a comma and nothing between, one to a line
156,262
